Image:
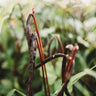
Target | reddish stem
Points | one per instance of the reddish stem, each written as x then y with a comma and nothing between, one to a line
42,67
70,62
38,43
41,50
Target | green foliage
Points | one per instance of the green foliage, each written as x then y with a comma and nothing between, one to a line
13,91
72,22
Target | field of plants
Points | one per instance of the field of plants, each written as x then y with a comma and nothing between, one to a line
48,48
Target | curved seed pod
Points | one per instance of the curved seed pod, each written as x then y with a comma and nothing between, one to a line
59,41
68,48
40,47
70,62
68,65
41,52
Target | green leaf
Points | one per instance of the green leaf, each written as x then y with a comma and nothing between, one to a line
82,89
80,61
11,92
41,93
15,90
3,19
57,84
78,76
51,73
58,66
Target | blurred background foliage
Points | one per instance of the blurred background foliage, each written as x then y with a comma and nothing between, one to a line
73,20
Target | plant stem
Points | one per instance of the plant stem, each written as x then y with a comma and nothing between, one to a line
32,52
41,51
70,62
50,42
42,67
51,58
67,92
63,88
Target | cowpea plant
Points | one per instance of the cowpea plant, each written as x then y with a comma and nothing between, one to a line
33,37
67,62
